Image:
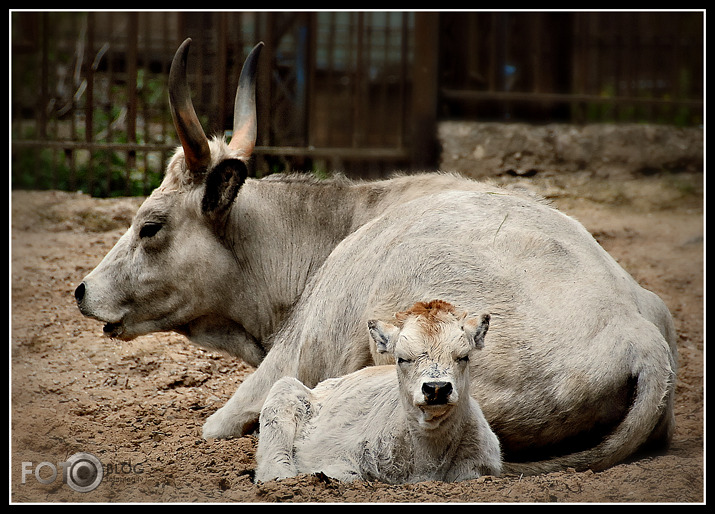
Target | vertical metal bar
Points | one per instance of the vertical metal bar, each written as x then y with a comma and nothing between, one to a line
199,54
111,95
302,59
330,79
146,116
264,99
366,88
577,66
44,71
388,128
131,63
165,50
595,56
311,103
628,59
535,54
600,68
221,77
613,38
89,101
493,65
425,91
647,44
358,74
44,86
402,95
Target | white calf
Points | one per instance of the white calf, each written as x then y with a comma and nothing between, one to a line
401,423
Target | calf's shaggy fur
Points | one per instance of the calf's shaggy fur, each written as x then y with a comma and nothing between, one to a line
408,422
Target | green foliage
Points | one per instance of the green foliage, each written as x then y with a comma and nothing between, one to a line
102,173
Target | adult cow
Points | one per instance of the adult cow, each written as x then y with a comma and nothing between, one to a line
285,272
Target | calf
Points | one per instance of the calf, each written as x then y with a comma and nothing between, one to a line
401,423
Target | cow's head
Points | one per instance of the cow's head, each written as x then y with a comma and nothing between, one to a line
169,270
431,344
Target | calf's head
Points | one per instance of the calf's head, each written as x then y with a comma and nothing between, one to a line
169,269
431,343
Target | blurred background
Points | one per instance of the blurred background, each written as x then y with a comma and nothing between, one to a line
358,92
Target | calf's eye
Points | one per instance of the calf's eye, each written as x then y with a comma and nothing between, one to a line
465,358
149,229
400,360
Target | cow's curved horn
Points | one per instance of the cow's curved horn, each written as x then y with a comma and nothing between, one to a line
244,108
192,136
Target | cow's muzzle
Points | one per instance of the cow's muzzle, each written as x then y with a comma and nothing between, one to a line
79,293
113,329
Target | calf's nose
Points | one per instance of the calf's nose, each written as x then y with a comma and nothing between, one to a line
436,393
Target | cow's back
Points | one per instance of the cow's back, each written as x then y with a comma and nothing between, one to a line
559,303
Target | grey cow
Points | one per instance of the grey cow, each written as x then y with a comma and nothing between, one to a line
285,272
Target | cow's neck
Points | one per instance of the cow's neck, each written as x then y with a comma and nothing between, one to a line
285,229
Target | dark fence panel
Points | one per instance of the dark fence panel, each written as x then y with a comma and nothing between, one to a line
335,91
359,92
89,101
89,98
573,66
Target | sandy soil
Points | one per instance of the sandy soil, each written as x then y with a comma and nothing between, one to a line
139,406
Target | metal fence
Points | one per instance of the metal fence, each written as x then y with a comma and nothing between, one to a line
574,66
359,92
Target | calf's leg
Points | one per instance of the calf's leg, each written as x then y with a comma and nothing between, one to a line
286,408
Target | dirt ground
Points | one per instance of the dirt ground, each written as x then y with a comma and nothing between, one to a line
139,406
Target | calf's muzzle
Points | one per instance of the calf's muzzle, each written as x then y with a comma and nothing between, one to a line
436,393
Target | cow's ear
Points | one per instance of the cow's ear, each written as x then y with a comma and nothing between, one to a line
222,185
384,335
475,329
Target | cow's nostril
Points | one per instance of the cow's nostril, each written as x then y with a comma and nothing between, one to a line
79,292
436,393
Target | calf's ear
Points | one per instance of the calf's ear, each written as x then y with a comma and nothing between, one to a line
222,185
475,329
384,335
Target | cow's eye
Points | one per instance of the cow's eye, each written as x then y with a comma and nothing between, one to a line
400,360
464,358
149,229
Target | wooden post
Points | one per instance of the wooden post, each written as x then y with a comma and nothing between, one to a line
424,150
